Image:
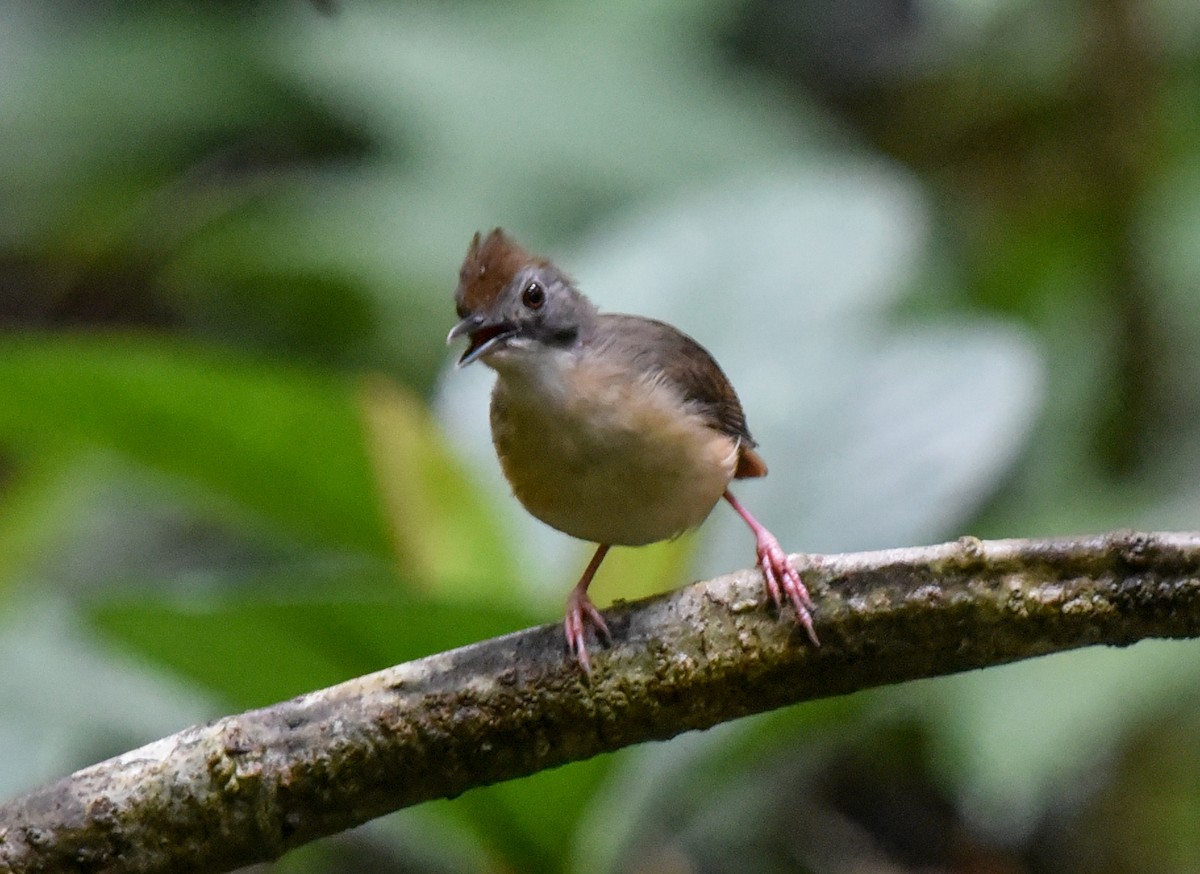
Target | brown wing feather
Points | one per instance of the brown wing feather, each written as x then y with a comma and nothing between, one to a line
659,347
750,464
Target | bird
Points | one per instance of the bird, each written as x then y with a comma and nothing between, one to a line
615,429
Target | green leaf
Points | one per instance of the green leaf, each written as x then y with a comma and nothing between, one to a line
256,651
531,823
628,574
657,791
1014,734
31,497
305,315
444,527
282,441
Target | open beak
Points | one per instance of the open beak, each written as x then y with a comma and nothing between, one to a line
484,336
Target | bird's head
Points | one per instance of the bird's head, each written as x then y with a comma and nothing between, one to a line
511,303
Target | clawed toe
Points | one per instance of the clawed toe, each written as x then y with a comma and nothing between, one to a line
781,579
580,612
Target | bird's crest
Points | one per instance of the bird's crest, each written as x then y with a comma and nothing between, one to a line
490,265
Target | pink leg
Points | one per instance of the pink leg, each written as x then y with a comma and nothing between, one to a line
777,571
581,610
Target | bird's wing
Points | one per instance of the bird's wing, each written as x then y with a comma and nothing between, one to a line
657,347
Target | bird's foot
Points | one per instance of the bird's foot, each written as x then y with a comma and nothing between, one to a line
782,580
581,611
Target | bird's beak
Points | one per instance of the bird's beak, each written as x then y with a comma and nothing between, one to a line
485,336
468,325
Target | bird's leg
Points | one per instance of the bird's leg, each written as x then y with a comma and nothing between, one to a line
781,578
581,610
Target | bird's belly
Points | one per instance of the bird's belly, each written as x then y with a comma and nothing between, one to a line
618,467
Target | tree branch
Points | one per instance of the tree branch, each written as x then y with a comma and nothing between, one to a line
247,788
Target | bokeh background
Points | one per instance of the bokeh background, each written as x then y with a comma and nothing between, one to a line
948,250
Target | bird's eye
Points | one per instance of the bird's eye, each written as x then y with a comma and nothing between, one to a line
533,296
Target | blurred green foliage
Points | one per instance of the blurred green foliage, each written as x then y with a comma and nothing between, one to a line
284,444
947,251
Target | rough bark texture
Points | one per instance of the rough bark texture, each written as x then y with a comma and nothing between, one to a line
246,788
